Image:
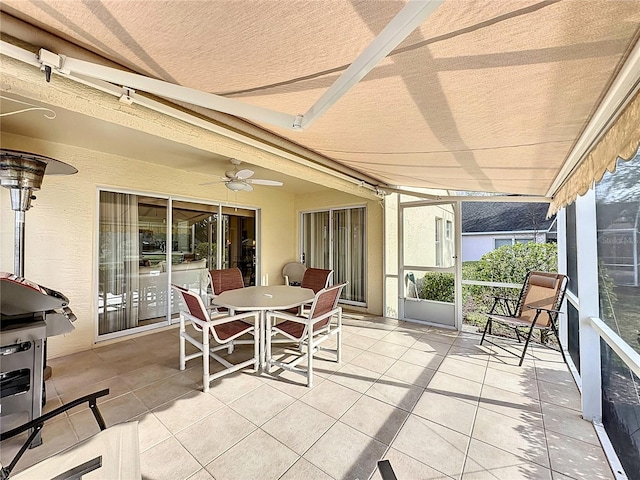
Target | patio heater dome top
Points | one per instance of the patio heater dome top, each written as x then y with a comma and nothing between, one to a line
25,170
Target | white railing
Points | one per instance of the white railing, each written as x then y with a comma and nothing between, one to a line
628,355
631,359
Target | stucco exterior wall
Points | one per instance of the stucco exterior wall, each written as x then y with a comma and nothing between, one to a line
61,227
475,246
374,219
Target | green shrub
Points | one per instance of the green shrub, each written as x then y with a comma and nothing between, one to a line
438,286
511,263
507,264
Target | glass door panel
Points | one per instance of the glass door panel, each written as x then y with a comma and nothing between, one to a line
132,252
349,253
239,227
192,247
336,240
316,240
428,262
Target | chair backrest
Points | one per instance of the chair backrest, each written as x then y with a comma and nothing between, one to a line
543,290
316,279
325,301
225,279
294,272
193,302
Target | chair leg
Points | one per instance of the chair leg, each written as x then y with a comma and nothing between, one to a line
256,346
554,329
517,335
268,346
486,327
339,338
526,344
310,362
182,344
205,360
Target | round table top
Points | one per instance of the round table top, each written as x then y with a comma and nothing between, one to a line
276,297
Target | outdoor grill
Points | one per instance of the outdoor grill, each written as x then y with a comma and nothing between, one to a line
29,313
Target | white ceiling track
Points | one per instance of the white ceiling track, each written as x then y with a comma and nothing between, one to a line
406,21
128,96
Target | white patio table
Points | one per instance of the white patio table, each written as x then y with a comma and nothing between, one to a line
264,299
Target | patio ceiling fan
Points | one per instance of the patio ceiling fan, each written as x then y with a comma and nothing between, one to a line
237,180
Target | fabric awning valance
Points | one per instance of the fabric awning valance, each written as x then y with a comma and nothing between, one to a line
620,141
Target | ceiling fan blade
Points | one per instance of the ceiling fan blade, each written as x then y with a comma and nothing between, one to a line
244,174
247,188
221,180
260,181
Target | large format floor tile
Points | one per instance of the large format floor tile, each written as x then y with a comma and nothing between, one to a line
344,452
438,447
257,456
432,401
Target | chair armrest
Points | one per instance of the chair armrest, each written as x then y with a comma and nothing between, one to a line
503,303
218,320
500,297
286,316
548,310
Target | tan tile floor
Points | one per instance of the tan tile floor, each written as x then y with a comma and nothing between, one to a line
432,401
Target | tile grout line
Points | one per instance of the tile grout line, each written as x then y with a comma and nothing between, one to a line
473,424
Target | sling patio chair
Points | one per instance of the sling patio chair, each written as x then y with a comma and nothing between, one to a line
226,330
308,331
222,280
316,279
537,308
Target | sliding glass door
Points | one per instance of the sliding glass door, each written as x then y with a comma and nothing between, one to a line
336,239
147,243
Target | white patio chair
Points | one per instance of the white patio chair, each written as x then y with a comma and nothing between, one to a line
225,330
293,273
307,331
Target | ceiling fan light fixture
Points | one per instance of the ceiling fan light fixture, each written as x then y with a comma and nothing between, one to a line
235,185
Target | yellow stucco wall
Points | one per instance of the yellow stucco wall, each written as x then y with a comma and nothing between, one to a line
374,219
60,236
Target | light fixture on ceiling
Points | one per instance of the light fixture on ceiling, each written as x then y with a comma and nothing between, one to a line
237,185
240,180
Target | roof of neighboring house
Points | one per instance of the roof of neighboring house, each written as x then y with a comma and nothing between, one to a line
505,217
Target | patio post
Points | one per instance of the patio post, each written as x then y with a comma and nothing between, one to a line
587,253
563,327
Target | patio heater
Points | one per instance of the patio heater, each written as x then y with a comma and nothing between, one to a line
29,313
22,173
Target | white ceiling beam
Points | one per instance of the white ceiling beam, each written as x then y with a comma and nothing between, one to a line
81,70
406,21
131,97
434,197
71,66
412,15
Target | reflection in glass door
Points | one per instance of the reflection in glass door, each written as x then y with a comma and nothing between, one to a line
428,262
193,248
239,228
